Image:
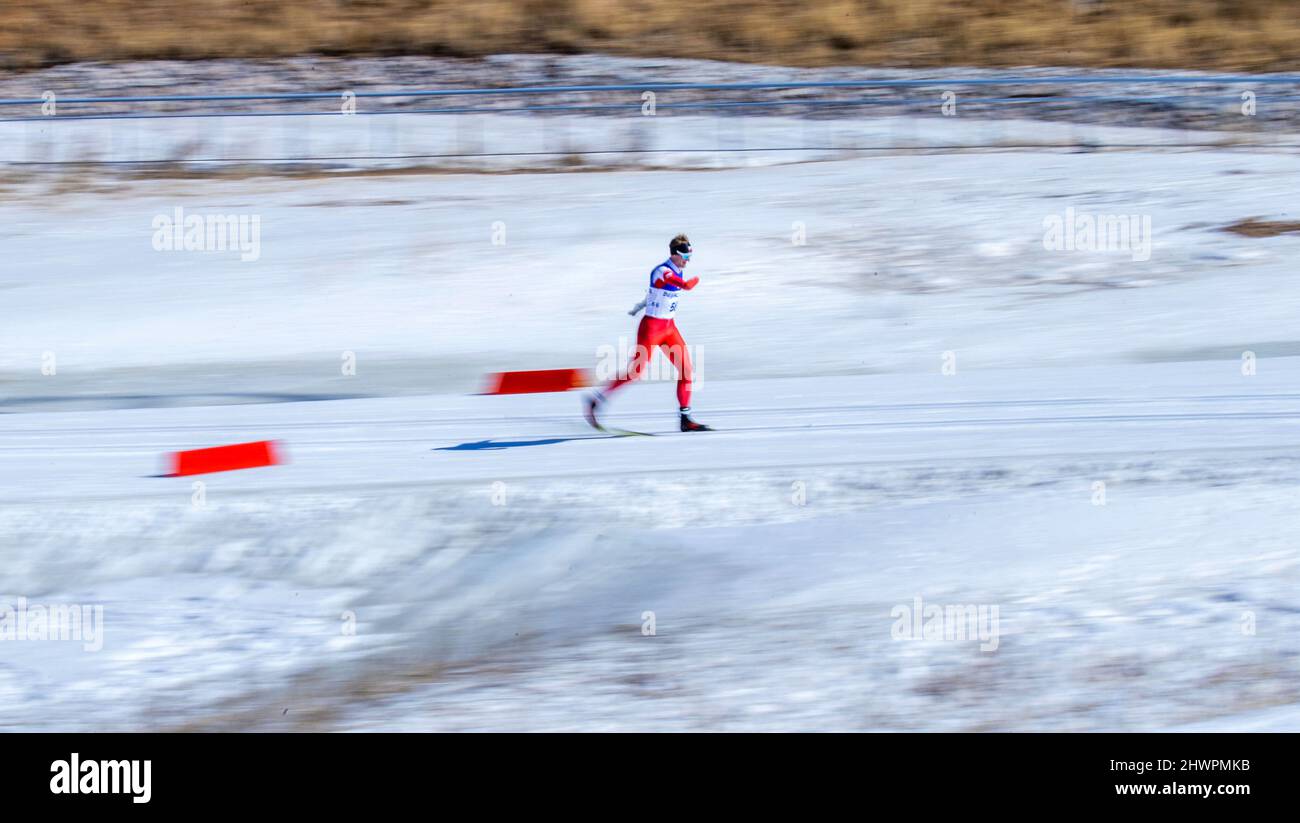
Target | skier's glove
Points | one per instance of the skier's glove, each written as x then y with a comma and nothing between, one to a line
637,308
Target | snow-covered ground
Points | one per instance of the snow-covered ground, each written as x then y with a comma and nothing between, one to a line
499,561
478,142
858,266
1103,466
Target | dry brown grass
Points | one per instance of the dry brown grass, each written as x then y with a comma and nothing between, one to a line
1254,227
1246,35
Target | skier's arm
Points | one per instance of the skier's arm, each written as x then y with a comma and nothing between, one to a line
638,307
673,280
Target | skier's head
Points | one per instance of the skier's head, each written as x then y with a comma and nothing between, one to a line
680,248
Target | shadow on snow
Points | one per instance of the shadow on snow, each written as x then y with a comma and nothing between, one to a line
493,445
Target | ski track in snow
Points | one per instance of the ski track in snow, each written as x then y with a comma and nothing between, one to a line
969,489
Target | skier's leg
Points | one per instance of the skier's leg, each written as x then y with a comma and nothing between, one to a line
646,338
647,335
675,347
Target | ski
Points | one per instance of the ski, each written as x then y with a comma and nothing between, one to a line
624,432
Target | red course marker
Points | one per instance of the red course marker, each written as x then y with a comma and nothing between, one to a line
225,458
528,382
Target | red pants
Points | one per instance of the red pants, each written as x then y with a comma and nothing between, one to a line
656,332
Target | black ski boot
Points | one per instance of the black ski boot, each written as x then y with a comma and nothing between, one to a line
589,407
689,425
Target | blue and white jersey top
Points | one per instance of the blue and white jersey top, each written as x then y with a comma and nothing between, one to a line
661,300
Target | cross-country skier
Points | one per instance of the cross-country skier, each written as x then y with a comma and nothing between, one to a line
659,329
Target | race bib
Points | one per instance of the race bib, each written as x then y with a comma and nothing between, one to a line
661,303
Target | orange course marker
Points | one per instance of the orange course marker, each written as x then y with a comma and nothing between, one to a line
529,382
225,458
